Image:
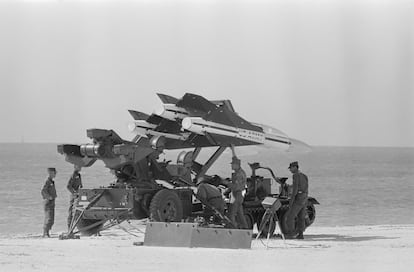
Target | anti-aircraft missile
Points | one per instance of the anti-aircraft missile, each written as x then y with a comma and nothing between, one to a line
268,136
274,137
140,127
169,108
144,128
171,112
145,125
195,121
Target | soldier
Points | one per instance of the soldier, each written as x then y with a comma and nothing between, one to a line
154,168
297,203
236,186
211,195
182,171
74,183
49,194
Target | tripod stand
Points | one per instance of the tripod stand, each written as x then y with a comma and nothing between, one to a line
269,218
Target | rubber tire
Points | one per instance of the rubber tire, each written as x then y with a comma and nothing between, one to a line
166,206
282,218
311,214
249,220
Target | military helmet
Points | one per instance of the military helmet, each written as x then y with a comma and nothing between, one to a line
293,164
235,160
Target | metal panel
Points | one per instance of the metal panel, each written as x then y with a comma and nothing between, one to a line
190,235
221,238
169,234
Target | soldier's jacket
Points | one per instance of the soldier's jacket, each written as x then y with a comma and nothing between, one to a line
74,183
300,186
238,181
49,191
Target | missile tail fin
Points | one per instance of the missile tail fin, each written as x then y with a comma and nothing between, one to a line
167,99
137,115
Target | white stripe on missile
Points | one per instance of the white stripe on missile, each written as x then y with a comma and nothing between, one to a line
140,124
200,126
270,137
274,137
144,128
171,112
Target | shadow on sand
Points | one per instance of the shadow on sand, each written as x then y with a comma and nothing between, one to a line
344,238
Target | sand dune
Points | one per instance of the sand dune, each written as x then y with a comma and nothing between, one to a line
353,248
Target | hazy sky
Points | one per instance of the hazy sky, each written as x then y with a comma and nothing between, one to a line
325,72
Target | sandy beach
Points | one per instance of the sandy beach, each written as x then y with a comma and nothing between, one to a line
351,248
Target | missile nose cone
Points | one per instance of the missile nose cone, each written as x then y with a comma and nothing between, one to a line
297,146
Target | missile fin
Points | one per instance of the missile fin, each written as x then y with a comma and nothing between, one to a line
167,99
137,115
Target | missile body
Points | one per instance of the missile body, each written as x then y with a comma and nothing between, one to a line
172,112
144,128
140,126
270,137
275,138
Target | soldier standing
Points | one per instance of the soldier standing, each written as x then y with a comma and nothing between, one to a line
74,183
297,203
237,185
49,195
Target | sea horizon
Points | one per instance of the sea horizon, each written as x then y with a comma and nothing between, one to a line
354,185
80,142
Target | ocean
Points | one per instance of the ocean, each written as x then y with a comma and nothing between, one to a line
354,185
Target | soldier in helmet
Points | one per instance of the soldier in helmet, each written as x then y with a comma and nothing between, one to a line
49,195
236,186
211,196
297,203
184,166
74,183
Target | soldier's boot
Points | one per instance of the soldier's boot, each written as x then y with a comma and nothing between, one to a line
46,233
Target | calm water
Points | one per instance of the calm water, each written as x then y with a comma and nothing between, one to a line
355,185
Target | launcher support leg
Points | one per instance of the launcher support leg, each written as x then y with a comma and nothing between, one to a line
70,233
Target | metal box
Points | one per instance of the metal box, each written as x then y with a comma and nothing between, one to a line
191,235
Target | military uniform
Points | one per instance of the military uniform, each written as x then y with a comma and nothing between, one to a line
212,196
74,183
237,185
49,195
297,206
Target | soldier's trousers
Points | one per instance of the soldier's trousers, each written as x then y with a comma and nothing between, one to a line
49,207
298,210
236,211
71,210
